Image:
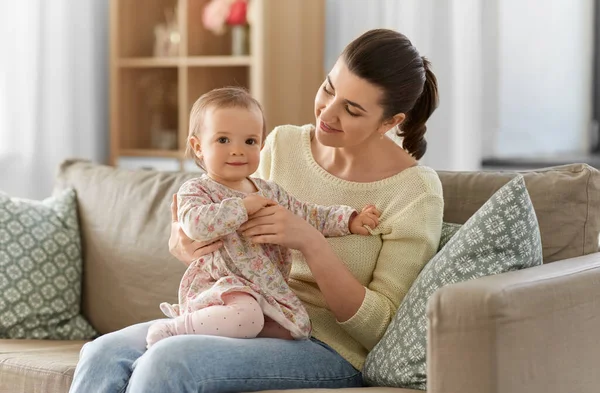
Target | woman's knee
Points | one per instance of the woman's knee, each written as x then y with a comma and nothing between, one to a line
169,365
101,349
126,343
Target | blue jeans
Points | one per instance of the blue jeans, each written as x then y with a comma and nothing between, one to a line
119,362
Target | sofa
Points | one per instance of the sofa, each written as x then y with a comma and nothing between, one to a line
532,331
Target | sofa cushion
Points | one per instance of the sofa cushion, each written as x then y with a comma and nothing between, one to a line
566,200
37,366
502,236
125,221
40,269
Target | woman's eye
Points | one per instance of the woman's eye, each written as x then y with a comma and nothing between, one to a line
350,112
251,141
328,92
222,140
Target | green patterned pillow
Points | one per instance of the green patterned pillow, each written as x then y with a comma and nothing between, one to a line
503,235
40,269
448,230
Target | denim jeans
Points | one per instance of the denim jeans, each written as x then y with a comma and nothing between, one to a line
119,362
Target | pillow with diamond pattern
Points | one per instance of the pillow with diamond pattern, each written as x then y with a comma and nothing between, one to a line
40,269
503,235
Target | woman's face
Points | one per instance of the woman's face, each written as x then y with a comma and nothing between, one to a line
347,109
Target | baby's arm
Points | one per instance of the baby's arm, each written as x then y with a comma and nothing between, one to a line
329,220
203,220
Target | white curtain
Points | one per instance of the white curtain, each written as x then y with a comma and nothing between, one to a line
450,33
53,90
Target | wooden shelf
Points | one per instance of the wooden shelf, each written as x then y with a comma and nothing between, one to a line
151,97
151,153
149,62
217,61
195,61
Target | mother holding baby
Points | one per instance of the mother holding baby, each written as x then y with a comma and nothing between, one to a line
351,286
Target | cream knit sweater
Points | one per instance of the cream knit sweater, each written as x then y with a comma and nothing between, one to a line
386,264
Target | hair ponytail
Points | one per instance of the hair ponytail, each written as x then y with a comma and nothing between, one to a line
387,59
413,129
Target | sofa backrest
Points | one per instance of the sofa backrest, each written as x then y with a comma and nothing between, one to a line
566,200
125,222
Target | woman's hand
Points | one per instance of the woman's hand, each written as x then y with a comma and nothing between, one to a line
184,248
278,225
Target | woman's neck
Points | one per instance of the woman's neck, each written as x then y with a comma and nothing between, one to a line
372,161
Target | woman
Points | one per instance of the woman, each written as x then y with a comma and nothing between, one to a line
351,286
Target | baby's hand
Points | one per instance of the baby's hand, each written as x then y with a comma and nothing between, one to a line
369,216
254,203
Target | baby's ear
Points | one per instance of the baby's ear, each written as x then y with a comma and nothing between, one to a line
194,142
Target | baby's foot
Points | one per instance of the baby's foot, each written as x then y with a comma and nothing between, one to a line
157,331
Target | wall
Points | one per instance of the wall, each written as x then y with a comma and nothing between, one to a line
544,81
515,76
448,33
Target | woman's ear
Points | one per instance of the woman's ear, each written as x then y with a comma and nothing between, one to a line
195,144
397,119
392,122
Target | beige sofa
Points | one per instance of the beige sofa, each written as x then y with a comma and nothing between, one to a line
534,331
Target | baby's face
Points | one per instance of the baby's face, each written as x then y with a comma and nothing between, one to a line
230,143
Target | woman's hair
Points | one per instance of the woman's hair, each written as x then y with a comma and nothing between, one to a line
388,60
225,97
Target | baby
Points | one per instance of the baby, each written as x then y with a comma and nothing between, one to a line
240,290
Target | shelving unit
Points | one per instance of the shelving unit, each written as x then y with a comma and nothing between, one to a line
283,71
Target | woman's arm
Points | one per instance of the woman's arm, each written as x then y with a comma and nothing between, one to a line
411,243
364,312
343,293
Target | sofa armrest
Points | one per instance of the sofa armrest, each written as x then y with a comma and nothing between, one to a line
530,331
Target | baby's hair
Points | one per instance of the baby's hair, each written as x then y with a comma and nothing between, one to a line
225,97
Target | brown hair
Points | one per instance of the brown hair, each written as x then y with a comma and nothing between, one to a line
388,60
225,97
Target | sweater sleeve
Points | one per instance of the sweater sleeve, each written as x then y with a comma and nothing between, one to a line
203,220
410,244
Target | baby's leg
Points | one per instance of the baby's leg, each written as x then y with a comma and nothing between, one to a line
274,330
240,317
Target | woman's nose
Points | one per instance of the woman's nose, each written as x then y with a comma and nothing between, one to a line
328,114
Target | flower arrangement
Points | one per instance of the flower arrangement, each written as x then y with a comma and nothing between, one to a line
218,14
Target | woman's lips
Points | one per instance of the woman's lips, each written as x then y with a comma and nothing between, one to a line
328,129
236,163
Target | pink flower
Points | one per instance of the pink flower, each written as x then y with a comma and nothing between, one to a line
215,14
256,264
219,13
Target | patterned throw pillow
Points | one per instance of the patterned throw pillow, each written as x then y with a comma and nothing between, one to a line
448,230
503,235
40,269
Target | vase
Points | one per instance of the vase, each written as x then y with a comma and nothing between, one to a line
239,40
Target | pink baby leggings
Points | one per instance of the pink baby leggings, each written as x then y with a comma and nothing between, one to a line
239,317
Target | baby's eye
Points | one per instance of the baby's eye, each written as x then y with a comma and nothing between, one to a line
223,140
251,141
